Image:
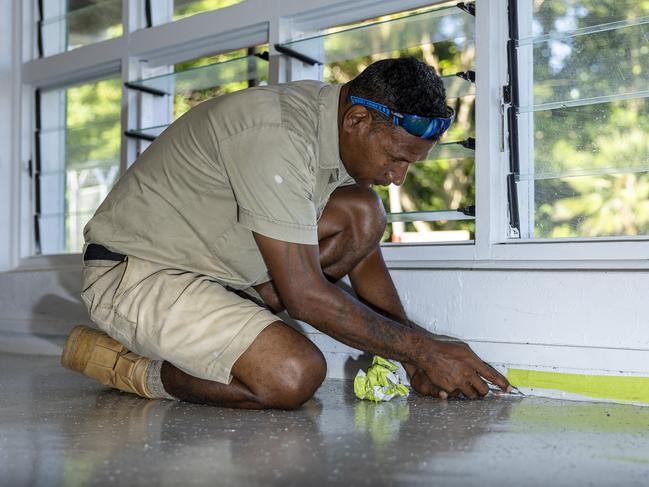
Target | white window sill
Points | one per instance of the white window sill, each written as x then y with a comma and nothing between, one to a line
615,254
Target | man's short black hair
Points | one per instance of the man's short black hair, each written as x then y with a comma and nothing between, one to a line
405,85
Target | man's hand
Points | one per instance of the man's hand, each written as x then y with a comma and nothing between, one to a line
420,382
451,368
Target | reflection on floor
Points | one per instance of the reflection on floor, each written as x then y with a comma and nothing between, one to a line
57,428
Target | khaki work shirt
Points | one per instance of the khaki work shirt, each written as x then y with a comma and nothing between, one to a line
263,159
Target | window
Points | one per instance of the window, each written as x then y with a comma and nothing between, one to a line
66,25
78,160
161,11
580,82
425,208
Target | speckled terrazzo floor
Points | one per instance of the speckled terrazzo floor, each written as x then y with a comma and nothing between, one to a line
58,428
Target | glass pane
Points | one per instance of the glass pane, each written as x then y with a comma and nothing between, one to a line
577,69
590,171
593,139
80,158
193,83
163,11
592,206
564,16
80,24
231,73
449,25
197,80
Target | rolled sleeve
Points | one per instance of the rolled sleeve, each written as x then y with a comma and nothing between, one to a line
269,171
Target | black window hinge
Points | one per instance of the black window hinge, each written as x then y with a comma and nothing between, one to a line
468,210
468,143
147,14
467,75
507,94
262,55
468,7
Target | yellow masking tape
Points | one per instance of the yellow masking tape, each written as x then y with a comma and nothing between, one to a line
616,388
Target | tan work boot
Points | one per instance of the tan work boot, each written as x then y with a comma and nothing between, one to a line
98,356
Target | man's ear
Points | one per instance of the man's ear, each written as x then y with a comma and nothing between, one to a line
357,118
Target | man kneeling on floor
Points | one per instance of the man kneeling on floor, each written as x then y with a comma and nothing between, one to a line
255,202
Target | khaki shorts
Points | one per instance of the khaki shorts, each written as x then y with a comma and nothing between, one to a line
188,319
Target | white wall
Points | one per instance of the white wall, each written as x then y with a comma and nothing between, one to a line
571,320
7,154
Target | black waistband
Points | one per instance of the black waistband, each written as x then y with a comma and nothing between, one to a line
99,252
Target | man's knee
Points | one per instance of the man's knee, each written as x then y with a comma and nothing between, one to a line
295,380
368,217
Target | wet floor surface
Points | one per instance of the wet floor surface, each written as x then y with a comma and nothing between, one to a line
58,428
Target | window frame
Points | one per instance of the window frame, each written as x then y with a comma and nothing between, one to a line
258,21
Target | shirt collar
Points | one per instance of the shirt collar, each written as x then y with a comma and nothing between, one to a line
328,149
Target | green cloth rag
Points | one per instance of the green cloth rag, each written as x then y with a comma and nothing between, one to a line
380,382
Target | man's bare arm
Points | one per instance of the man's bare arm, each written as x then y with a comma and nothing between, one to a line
310,297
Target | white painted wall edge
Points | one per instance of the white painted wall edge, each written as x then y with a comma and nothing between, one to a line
46,337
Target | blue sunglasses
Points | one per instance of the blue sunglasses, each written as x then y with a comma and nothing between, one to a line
424,127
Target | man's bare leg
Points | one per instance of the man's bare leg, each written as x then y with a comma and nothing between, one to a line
282,368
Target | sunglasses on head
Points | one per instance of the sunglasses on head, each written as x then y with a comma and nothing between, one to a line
424,127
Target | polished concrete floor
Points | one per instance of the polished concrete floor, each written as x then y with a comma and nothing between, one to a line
58,428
